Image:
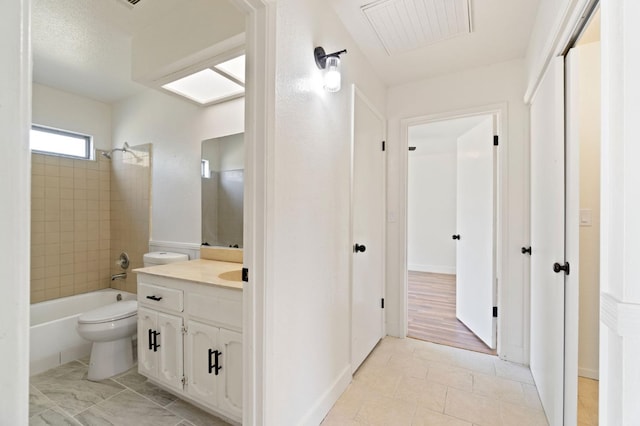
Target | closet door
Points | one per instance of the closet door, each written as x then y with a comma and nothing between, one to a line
548,241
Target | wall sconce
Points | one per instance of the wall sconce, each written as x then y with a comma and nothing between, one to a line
331,64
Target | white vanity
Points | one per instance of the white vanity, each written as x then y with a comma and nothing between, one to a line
190,332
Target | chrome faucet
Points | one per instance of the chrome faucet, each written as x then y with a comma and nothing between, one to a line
120,276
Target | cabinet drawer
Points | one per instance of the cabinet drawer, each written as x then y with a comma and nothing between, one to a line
160,297
221,310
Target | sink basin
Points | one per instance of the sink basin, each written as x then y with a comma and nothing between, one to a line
231,275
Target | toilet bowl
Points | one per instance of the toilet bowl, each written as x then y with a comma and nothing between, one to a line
110,328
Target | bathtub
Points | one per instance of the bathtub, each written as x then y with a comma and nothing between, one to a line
53,337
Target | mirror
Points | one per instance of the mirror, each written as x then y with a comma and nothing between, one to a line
222,171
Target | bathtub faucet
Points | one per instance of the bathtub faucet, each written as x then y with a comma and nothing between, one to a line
120,276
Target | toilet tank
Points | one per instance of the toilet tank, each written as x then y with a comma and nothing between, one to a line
162,258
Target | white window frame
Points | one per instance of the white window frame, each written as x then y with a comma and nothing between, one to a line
88,140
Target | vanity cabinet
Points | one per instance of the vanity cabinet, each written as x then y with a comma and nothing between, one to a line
190,341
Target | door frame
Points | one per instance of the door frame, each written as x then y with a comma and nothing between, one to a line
356,92
500,111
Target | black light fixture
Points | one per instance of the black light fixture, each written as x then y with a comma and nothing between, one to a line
331,64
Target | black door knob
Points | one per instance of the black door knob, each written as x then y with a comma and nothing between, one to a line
455,237
526,250
359,248
557,268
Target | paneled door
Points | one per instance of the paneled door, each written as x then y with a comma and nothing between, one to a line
475,222
368,220
548,241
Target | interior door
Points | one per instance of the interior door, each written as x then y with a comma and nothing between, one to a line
475,213
368,196
548,241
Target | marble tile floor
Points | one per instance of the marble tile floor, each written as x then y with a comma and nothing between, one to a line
411,382
63,396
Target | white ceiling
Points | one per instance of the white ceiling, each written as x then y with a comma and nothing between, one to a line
440,136
84,46
500,32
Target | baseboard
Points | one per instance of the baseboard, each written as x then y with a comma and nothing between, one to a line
434,269
589,373
190,249
323,405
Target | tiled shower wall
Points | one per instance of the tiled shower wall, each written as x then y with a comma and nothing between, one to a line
130,210
70,226
83,215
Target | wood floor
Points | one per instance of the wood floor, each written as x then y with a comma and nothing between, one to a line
432,313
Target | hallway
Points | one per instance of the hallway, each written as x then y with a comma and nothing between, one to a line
410,382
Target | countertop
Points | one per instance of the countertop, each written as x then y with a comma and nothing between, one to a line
211,272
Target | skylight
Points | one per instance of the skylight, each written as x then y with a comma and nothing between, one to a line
205,87
234,67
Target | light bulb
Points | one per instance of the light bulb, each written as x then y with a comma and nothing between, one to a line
332,77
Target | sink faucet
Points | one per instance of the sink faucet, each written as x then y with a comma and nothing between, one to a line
120,276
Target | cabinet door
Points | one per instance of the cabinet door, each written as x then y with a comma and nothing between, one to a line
202,344
170,350
147,358
230,381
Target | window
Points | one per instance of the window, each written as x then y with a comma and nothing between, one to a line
45,140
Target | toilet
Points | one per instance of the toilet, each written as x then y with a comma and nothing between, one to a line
110,328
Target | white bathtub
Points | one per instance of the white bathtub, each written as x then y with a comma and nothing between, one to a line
53,337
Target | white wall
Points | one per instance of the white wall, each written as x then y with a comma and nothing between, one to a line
431,211
68,111
176,129
474,88
15,192
620,220
589,133
308,333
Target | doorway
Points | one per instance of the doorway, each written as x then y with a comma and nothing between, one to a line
451,232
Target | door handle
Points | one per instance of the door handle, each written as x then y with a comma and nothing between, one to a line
526,250
150,339
216,364
456,237
558,267
155,341
359,248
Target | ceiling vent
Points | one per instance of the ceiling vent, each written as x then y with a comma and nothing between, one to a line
403,25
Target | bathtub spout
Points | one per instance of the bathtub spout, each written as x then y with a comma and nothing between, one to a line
120,276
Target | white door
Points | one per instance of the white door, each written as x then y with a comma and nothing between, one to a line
475,256
170,350
203,361
548,240
367,229
230,382
147,358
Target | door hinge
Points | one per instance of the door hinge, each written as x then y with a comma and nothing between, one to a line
245,275
495,312
495,140
384,145
382,303
183,380
184,330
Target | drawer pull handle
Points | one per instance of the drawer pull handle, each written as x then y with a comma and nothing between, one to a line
216,365
156,298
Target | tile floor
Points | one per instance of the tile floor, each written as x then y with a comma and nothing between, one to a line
587,402
410,382
63,396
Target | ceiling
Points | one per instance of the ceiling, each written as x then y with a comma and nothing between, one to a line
84,46
440,136
500,32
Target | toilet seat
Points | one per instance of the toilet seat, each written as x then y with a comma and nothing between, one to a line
113,312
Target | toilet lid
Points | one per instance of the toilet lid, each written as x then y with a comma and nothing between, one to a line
112,312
